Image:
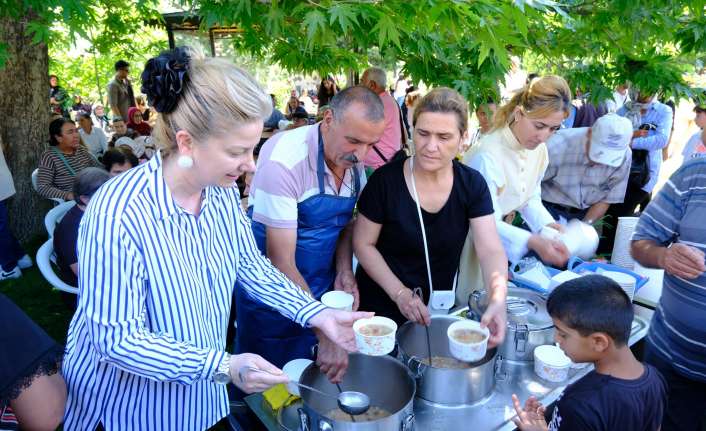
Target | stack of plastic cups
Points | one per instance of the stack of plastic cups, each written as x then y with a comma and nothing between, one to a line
621,247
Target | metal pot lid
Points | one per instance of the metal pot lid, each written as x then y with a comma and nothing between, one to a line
526,307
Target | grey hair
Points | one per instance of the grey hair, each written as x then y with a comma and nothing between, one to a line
88,181
374,109
378,75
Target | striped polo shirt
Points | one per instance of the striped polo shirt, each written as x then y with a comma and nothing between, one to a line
676,214
155,290
286,176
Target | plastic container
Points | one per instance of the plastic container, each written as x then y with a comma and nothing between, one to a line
580,267
375,345
294,369
338,300
467,352
550,363
529,281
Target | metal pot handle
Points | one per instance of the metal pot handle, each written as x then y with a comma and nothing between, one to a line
408,423
303,420
416,367
498,369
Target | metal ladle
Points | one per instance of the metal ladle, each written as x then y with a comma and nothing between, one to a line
418,291
351,402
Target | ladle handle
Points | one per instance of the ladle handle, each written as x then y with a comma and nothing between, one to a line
258,370
418,291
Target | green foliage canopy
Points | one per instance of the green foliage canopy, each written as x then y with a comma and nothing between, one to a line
596,44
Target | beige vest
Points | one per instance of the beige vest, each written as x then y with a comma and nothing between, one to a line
520,171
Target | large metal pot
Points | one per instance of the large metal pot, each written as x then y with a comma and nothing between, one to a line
387,382
444,385
528,323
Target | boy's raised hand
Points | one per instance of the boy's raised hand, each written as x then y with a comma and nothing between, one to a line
531,417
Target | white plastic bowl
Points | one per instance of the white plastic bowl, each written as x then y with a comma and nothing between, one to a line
294,369
375,345
467,352
550,363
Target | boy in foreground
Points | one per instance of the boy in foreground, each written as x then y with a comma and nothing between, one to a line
593,317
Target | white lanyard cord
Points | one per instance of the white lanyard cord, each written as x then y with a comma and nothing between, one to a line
421,223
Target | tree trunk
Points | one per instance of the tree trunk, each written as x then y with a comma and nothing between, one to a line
24,109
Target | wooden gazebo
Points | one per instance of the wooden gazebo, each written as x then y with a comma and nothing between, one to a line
190,23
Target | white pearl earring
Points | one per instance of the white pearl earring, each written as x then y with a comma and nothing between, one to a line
185,162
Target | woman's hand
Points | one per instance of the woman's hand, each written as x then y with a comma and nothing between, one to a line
495,319
252,381
551,252
412,307
345,281
338,326
531,417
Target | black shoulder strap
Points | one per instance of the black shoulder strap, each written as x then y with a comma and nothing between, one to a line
379,153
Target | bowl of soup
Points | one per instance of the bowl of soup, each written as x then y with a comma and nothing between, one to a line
375,336
468,342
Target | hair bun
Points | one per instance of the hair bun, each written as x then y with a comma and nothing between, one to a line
164,78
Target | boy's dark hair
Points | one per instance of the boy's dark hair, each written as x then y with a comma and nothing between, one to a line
593,303
118,156
121,64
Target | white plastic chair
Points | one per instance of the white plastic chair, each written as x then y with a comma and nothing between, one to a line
35,176
55,215
43,260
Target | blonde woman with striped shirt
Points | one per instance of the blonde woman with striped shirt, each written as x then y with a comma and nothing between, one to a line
160,249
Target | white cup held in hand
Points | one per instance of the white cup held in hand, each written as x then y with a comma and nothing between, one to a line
294,370
375,336
338,300
468,342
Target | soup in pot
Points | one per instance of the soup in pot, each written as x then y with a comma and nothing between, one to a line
445,362
373,413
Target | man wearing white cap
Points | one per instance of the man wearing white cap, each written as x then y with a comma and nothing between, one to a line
588,169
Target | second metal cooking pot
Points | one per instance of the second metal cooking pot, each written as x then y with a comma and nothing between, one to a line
444,385
387,382
528,323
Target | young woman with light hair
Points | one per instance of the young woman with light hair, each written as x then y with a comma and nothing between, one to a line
513,158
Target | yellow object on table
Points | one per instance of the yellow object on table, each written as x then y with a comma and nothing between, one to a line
278,397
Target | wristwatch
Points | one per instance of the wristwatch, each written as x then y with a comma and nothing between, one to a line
222,374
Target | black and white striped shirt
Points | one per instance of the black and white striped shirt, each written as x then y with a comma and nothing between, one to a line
54,178
155,292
